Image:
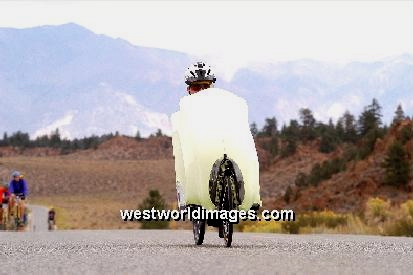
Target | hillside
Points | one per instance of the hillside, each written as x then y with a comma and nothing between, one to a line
281,172
148,163
120,172
127,148
349,190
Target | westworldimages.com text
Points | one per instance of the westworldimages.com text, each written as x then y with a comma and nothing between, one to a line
234,216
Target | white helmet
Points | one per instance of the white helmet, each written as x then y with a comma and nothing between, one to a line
15,174
199,71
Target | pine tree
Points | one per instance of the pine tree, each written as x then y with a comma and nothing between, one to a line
327,143
288,196
55,139
138,136
315,174
397,166
290,148
254,129
5,140
399,114
270,127
307,124
301,180
370,118
156,201
340,129
307,118
350,128
272,146
291,131
331,124
159,133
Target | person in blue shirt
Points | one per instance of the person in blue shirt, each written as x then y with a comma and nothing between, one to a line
18,188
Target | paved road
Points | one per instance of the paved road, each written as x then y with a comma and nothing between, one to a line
38,218
159,252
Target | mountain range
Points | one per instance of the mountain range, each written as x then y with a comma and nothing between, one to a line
84,83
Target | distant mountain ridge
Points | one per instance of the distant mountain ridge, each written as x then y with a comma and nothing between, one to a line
70,78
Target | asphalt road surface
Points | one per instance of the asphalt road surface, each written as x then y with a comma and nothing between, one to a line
167,251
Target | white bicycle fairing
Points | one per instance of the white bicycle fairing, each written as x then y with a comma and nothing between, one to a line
208,125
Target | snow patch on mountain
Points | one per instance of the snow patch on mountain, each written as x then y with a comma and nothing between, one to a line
60,123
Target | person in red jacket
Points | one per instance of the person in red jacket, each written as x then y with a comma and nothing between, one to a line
4,200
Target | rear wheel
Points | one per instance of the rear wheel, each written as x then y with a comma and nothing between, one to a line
198,227
227,226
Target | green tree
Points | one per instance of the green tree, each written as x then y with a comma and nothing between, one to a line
138,136
159,133
19,139
254,129
270,127
307,124
5,140
301,179
340,129
306,117
272,146
156,201
398,114
397,166
350,127
406,133
327,143
315,174
370,118
55,139
288,196
292,130
368,143
290,148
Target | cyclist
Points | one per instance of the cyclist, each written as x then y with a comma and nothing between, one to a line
18,188
51,218
199,76
4,199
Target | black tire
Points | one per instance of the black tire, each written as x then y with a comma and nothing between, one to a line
227,227
16,223
198,227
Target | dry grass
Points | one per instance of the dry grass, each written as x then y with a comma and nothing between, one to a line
86,212
379,218
123,179
90,193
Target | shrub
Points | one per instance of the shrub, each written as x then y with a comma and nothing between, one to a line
406,133
377,211
290,148
322,219
156,201
289,194
272,146
325,218
290,227
327,143
262,226
301,180
401,223
396,165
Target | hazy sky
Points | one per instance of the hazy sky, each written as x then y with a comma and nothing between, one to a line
232,34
